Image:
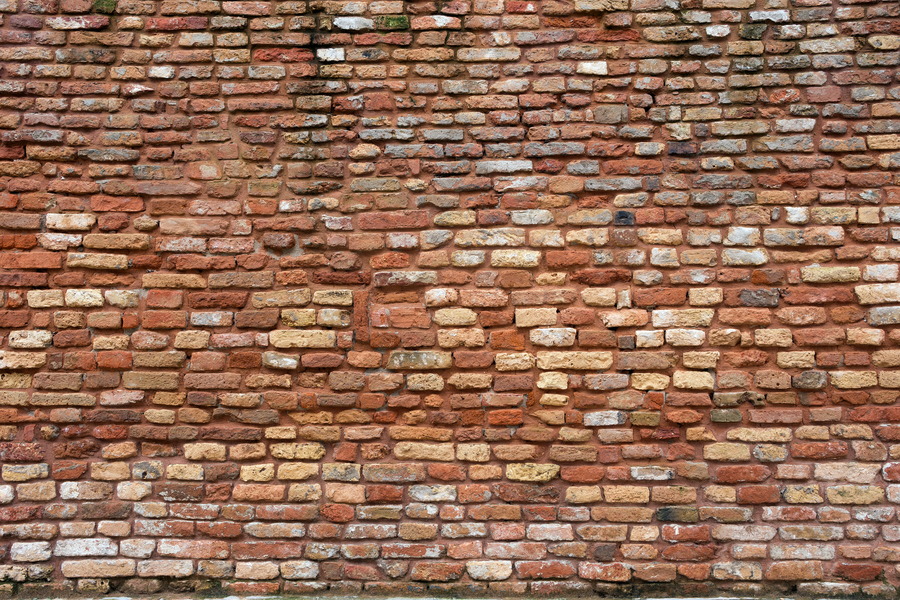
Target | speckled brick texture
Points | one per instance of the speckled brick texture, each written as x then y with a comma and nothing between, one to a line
522,297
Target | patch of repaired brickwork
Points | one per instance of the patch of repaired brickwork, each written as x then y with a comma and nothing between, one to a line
492,297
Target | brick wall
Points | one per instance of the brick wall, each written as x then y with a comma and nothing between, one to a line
522,297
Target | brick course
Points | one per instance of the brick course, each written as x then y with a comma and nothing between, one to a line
493,297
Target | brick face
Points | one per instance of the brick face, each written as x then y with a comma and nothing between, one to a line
492,297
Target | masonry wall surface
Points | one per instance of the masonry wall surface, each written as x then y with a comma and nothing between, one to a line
523,297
